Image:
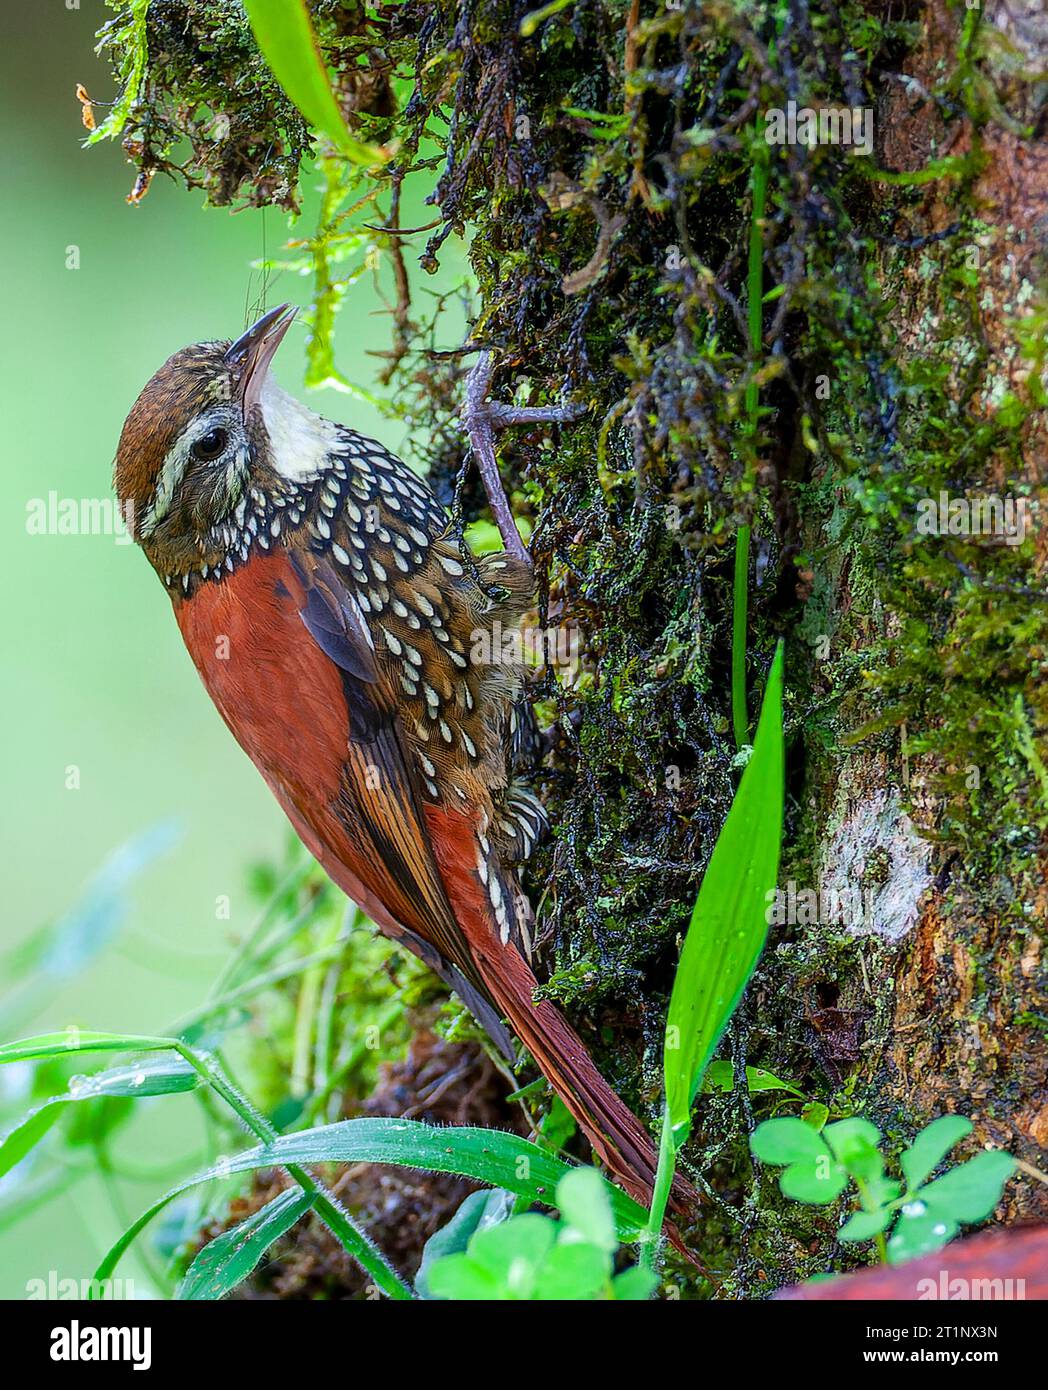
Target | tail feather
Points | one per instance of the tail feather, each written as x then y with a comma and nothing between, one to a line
614,1132
616,1135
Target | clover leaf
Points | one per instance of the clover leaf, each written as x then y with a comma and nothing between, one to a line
818,1165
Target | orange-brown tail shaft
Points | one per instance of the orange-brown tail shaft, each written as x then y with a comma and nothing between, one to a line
616,1135
614,1132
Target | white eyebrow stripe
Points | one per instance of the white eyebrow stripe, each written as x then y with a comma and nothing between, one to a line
175,465
171,475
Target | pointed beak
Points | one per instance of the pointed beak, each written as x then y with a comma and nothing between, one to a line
253,352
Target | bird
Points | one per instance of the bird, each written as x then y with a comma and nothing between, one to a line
345,636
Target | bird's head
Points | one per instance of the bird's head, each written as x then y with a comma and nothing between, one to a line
209,428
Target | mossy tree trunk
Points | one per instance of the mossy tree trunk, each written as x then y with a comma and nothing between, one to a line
599,162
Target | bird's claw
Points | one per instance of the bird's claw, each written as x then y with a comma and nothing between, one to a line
482,418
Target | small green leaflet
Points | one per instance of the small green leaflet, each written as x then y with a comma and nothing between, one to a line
729,924
478,1211
931,1146
720,1076
935,1213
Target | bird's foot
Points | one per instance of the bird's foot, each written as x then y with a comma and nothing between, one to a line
482,418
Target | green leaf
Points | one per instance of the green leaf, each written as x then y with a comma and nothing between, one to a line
729,923
486,1155
491,1156
285,35
720,1076
815,1114
460,1277
228,1259
352,1238
881,1191
934,1214
78,1040
864,1225
151,1078
483,537
931,1146
557,1126
853,1134
972,1190
26,1134
854,1143
479,1210
634,1285
919,1231
512,1252
582,1197
812,1175
573,1270
815,1181
788,1140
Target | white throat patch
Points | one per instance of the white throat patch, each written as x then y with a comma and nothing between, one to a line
300,439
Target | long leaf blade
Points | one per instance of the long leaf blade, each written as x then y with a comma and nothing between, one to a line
227,1260
729,923
153,1078
285,35
79,1040
487,1155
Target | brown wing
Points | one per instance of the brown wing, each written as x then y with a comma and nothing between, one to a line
379,803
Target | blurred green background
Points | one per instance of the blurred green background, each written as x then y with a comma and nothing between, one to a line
96,677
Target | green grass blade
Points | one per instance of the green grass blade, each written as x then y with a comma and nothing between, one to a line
79,1040
740,716
490,1156
27,1133
353,1240
487,1155
228,1259
204,1067
285,35
729,924
153,1078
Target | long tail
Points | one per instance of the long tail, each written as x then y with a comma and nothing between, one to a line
616,1135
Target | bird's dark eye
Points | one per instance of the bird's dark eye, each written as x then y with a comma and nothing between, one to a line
210,445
